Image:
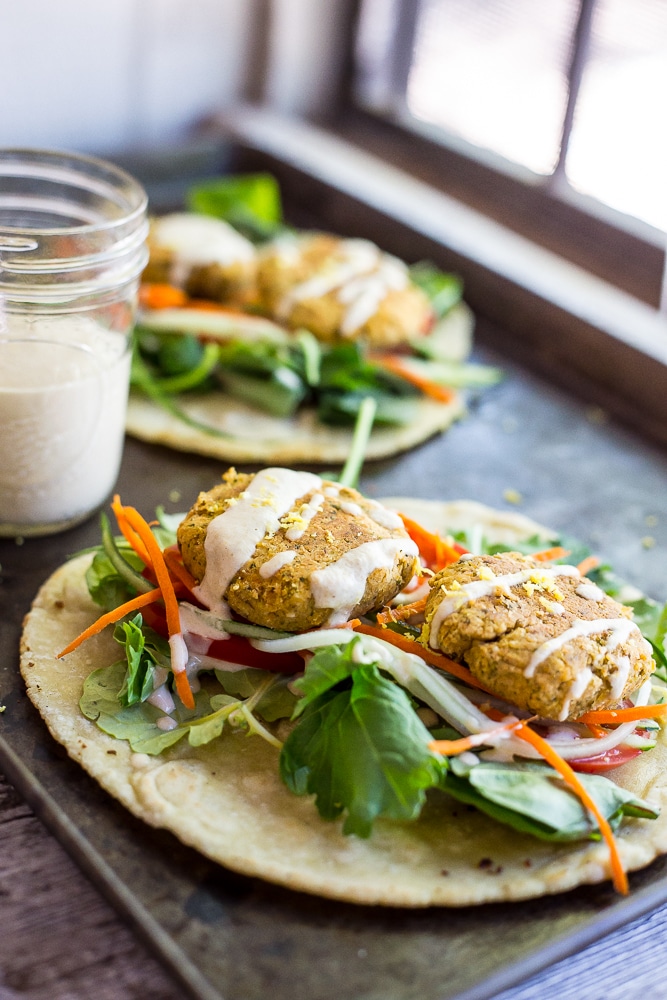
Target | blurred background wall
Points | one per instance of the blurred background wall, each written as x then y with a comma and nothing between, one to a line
108,76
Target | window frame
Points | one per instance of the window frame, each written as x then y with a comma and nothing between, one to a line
614,246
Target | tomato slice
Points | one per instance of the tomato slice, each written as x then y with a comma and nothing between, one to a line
237,649
605,761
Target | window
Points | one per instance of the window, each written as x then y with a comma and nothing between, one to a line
547,116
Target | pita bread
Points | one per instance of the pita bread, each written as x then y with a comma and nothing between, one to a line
246,434
227,800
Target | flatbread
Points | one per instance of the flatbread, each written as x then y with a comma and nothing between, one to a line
226,798
249,435
256,437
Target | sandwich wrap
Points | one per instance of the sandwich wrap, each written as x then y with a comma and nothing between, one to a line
227,800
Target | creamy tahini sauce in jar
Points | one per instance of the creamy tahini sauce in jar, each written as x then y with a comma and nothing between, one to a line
63,395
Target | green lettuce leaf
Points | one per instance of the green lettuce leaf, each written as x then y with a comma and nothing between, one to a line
249,202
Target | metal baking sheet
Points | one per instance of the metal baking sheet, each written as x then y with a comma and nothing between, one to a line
223,935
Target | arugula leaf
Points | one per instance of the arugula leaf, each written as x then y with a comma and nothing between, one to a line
136,723
144,651
533,799
361,750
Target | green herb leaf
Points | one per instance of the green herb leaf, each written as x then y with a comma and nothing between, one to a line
144,650
361,751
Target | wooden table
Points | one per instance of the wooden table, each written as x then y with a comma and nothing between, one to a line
61,939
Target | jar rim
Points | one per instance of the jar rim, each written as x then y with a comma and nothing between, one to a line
96,175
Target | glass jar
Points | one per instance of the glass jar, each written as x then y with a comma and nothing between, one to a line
72,248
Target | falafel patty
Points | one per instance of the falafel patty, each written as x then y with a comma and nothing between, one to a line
205,256
291,551
543,638
341,290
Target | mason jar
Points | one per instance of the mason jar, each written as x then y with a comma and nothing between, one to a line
72,248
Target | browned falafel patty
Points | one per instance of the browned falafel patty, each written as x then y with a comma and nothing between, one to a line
341,289
292,551
543,638
203,255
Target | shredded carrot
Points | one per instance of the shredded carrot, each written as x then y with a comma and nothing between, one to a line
617,715
597,731
161,295
142,528
429,655
548,555
128,533
586,565
183,689
402,612
619,876
451,748
434,550
140,601
177,569
393,363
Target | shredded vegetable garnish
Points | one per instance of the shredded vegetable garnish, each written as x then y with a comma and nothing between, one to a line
450,748
429,655
401,613
128,533
111,617
586,565
176,567
615,716
524,732
159,295
395,364
549,555
161,570
433,549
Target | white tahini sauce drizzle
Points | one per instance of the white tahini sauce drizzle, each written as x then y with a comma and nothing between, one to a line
198,240
340,585
385,517
351,508
271,566
577,688
483,588
165,723
364,295
618,678
361,276
192,621
590,591
162,697
619,629
179,652
232,536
